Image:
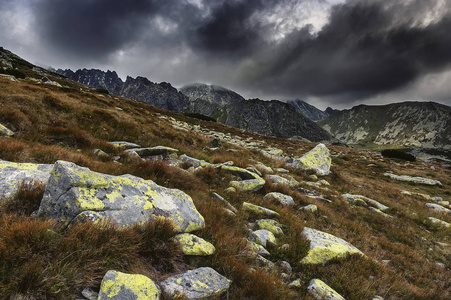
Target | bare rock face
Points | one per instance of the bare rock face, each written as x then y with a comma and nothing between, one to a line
76,194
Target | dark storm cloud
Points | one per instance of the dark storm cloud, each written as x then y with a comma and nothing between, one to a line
361,52
366,48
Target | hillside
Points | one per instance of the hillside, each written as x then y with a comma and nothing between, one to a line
272,119
308,110
226,212
407,124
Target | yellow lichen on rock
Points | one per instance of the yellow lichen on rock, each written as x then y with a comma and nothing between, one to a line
116,286
194,245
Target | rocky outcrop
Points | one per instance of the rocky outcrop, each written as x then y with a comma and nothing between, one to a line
118,286
13,175
308,110
76,194
324,247
317,159
201,283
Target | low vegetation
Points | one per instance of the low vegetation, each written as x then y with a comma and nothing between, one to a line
406,257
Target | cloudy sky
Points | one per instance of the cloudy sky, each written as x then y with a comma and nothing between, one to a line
335,53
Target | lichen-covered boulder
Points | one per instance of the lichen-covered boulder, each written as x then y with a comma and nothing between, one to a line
250,182
13,174
200,283
269,224
288,181
4,131
194,245
319,290
437,207
263,237
125,145
119,286
282,199
317,159
419,180
259,210
264,168
74,191
324,247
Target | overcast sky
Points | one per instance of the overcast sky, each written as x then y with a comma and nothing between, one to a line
335,53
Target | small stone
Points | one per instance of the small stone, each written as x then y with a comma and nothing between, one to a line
230,189
89,294
319,290
270,225
5,131
125,145
313,177
295,284
437,207
117,286
257,249
286,267
282,199
259,210
194,245
201,283
263,237
310,208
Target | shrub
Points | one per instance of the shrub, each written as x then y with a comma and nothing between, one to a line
14,72
394,153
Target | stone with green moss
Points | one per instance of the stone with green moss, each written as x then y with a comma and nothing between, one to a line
4,131
194,245
270,225
152,151
257,249
201,283
118,286
438,207
280,198
259,210
438,222
250,182
317,159
321,291
74,192
324,247
13,175
194,161
310,208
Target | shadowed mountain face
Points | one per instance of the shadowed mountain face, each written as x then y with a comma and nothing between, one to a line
308,110
162,95
411,124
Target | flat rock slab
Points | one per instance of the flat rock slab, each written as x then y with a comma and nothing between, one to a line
76,194
438,222
200,283
270,225
13,174
321,291
317,159
194,161
419,180
194,245
125,145
360,200
118,286
251,182
259,210
437,207
280,198
152,151
325,246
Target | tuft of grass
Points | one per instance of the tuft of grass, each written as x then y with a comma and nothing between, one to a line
25,201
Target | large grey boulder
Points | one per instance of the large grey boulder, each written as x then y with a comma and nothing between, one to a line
13,174
200,283
325,246
317,159
75,193
119,286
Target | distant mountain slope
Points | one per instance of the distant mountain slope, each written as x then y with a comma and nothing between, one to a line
275,118
308,110
412,124
162,95
211,100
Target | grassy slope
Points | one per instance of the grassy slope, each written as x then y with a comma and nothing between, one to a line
54,123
